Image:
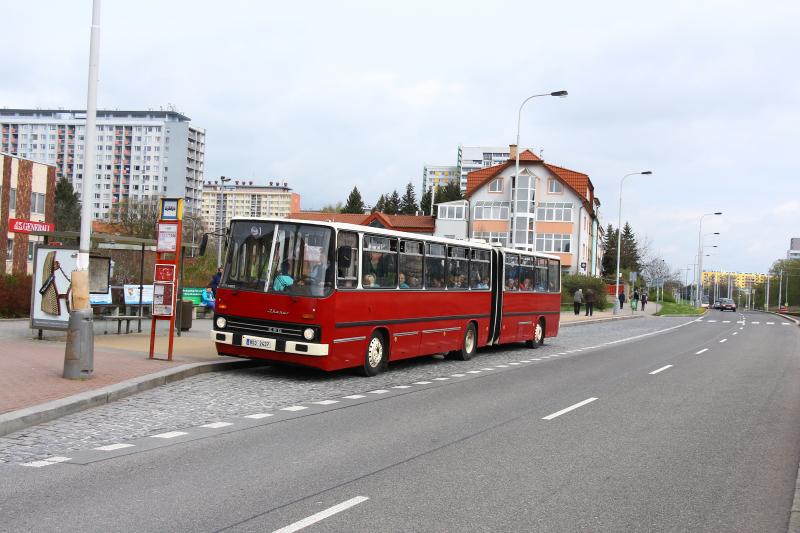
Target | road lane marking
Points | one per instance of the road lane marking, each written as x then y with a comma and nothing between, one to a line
537,359
258,416
326,402
294,408
525,361
474,371
216,425
723,340
710,320
402,387
786,324
47,462
378,391
322,515
726,321
513,363
770,323
735,332
568,409
112,447
701,351
169,435
660,370
740,329
487,369
457,375
421,383
755,322
440,379
562,353
501,366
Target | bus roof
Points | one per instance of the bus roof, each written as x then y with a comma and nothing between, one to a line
392,233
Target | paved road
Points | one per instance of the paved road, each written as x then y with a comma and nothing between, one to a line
692,429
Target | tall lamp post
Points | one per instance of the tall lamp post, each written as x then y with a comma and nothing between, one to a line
619,234
221,229
560,94
699,301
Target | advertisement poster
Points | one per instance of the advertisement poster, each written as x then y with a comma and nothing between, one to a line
100,299
131,294
52,274
167,237
163,299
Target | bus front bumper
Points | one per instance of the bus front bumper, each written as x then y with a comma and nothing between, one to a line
270,344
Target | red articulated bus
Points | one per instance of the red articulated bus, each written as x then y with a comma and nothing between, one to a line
333,296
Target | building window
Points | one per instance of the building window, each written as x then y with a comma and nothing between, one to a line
12,204
491,210
554,212
553,242
554,187
451,212
496,185
492,237
37,203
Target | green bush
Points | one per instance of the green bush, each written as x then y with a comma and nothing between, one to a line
665,296
15,295
571,283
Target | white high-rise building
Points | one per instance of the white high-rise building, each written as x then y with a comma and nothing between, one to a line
472,158
434,176
246,199
141,155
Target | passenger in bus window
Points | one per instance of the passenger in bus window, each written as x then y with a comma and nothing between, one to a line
403,284
436,282
369,281
413,282
283,280
527,285
482,284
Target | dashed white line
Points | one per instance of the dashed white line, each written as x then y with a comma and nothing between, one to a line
537,359
216,425
294,408
726,321
660,369
786,323
440,379
710,320
258,416
474,371
770,323
112,447
735,332
402,387
169,435
378,391
326,402
723,340
457,375
322,515
755,322
568,409
562,353
525,361
421,383
513,363
46,462
355,396
501,366
701,351
740,329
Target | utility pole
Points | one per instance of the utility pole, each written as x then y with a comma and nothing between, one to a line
766,297
79,349
780,288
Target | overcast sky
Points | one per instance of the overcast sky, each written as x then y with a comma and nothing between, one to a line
327,95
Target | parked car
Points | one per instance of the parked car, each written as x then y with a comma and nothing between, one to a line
716,304
727,304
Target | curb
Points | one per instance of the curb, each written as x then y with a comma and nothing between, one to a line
785,317
37,414
597,320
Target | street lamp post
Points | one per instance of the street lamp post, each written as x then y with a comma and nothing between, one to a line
221,226
619,235
560,94
699,301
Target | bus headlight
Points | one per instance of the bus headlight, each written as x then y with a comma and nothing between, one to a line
221,322
308,333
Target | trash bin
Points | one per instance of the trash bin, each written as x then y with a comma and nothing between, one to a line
186,314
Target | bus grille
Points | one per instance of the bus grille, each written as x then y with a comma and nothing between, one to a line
281,330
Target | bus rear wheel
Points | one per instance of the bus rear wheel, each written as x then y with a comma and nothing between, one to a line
538,336
375,358
468,347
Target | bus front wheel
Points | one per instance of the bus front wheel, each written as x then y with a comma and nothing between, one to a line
375,357
538,336
469,346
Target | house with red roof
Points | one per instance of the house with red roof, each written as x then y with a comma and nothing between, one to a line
409,223
547,208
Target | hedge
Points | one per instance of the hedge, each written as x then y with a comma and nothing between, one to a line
571,283
15,295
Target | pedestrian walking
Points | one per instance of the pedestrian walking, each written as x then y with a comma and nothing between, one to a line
215,279
577,299
589,298
622,298
635,300
644,299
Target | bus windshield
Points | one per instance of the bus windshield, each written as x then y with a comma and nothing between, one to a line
292,259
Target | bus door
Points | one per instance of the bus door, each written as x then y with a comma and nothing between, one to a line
496,313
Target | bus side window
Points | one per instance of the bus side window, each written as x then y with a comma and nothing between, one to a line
526,270
410,276
457,268
554,274
479,267
347,260
540,275
380,263
512,273
434,266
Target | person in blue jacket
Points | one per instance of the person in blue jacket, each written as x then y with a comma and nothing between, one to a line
207,298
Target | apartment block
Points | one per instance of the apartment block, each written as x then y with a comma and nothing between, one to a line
141,155
435,176
240,198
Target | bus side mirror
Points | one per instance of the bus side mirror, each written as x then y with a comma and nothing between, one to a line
203,244
344,258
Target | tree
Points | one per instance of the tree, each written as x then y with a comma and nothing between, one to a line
332,208
137,220
354,205
380,205
609,265
408,204
67,207
629,256
452,192
392,204
425,202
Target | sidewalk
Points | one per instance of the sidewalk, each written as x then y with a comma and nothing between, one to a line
570,318
31,386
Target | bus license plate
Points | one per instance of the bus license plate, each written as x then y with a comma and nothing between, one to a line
257,342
